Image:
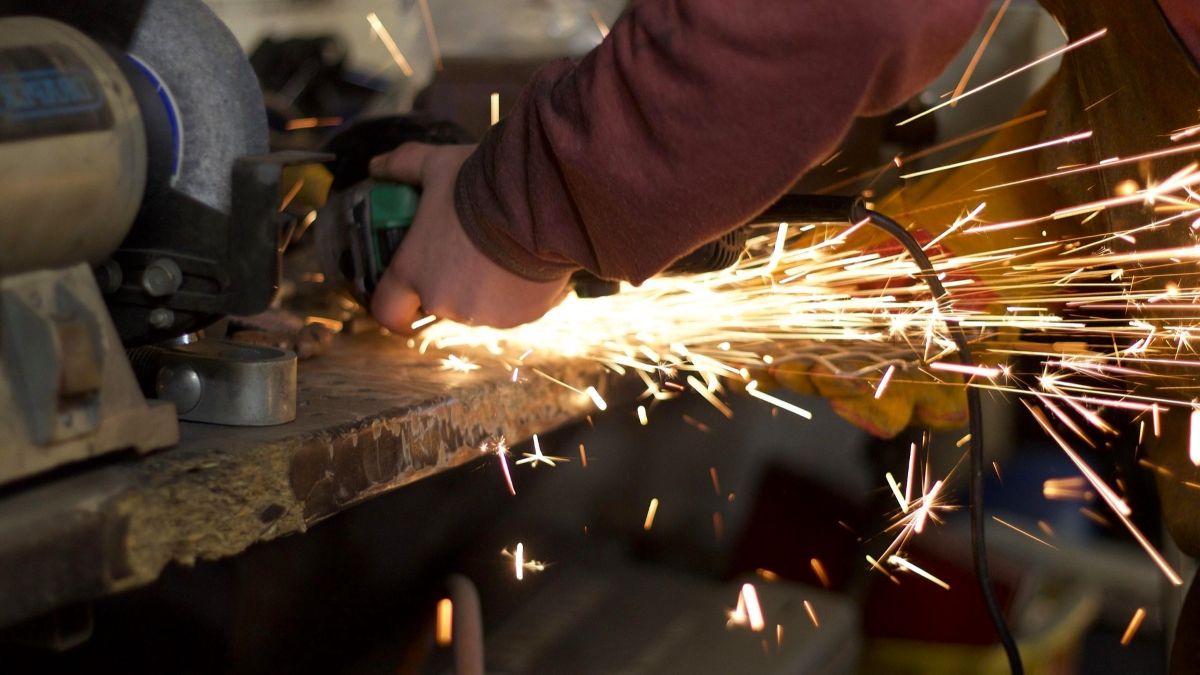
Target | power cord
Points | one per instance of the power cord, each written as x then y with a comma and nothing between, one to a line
830,209
860,213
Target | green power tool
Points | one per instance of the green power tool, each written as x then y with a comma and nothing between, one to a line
359,230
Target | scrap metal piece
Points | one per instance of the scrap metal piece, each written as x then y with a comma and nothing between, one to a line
221,382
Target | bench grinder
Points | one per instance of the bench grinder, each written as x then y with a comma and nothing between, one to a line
138,206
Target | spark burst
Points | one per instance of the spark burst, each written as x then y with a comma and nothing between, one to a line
830,298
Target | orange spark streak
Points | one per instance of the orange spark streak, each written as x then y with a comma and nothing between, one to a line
926,504
1194,438
599,21
1184,252
311,123
653,509
896,491
716,482
912,467
430,33
1019,530
900,160
987,37
596,398
390,44
710,397
423,321
291,194
812,614
753,610
752,389
819,570
445,622
1115,503
1041,59
1135,622
582,456
981,371
883,382
1095,167
902,563
1007,153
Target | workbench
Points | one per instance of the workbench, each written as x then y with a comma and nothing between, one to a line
372,415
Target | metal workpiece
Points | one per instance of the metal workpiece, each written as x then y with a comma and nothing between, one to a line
221,382
72,148
66,391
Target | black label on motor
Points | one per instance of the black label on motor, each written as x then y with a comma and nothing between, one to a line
47,90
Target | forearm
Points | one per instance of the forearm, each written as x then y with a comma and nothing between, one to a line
691,117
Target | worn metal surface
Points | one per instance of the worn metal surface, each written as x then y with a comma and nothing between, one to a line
372,416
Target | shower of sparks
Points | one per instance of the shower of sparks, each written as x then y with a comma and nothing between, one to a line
389,44
536,457
908,565
1135,622
833,303
748,611
445,622
650,512
427,19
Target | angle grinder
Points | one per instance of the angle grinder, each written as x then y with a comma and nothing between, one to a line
364,222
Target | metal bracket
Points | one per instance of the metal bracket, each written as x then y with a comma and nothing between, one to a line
221,382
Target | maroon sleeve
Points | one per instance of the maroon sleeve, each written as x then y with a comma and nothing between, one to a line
690,117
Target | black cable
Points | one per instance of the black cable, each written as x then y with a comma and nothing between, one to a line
975,424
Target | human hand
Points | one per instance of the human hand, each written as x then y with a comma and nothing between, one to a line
438,269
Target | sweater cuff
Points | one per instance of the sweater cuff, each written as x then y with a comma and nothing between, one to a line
489,237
